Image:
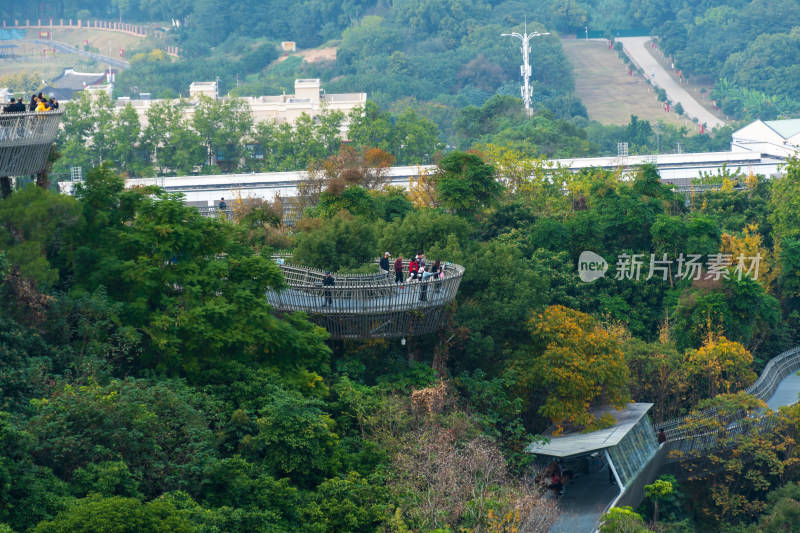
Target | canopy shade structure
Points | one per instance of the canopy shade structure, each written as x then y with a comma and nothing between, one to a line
575,443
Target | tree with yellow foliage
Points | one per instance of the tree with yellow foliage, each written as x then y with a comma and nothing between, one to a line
720,366
422,189
572,365
748,245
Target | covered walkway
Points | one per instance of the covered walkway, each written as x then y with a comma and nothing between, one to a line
587,497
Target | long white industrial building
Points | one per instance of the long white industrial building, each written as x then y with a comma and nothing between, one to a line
679,169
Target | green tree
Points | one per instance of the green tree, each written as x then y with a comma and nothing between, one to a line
35,228
294,438
427,231
465,184
125,153
185,282
785,203
120,515
173,146
346,503
342,242
222,124
622,520
658,491
417,139
77,426
372,128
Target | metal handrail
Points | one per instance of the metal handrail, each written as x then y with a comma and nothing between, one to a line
25,141
368,305
763,388
687,441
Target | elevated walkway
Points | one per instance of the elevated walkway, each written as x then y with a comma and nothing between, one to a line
588,497
25,141
362,306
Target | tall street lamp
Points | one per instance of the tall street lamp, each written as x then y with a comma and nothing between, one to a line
525,69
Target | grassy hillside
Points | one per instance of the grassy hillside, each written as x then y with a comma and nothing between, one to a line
609,94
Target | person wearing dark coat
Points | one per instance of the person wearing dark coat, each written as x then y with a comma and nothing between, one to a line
398,270
33,104
385,263
11,107
328,281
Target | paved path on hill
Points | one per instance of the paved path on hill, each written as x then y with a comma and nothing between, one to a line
642,56
69,49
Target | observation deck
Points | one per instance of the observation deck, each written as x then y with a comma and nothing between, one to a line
25,141
365,306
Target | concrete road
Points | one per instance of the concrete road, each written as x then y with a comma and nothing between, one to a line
641,55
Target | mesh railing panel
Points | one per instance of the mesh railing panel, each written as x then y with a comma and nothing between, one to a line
368,305
690,443
25,141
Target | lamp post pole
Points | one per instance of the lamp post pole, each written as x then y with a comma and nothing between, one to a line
525,69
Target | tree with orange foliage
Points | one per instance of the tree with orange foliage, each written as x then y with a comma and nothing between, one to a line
573,364
367,168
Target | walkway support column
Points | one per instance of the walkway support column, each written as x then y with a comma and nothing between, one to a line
613,470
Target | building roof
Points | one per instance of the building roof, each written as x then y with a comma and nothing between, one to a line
785,128
306,82
63,95
575,443
77,81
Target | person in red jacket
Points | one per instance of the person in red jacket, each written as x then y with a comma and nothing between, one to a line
413,269
398,270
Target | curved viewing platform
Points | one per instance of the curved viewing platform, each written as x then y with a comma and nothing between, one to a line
25,141
368,305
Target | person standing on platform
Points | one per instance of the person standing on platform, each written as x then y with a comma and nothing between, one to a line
328,281
427,275
413,269
398,270
385,264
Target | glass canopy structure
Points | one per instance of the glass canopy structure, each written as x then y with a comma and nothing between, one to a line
603,463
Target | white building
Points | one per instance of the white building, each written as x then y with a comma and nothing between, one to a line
308,98
780,138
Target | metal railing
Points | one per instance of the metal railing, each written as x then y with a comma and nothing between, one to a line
25,141
687,442
763,388
368,305
216,212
